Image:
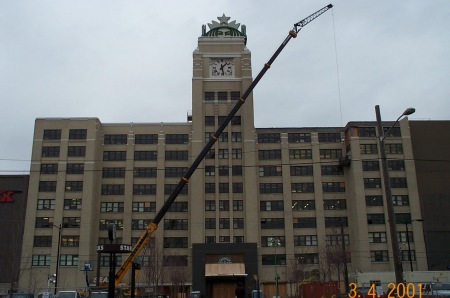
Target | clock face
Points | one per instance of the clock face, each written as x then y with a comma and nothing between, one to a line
222,67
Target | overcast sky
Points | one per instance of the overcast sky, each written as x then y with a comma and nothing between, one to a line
131,61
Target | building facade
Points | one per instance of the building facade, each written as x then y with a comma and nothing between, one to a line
264,202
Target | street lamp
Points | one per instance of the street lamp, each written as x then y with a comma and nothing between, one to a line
57,255
406,222
275,242
398,267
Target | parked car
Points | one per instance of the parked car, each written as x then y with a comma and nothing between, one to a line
442,290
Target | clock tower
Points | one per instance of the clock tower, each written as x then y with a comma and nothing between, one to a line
221,74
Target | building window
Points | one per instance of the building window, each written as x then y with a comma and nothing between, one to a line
177,138
210,205
47,186
224,188
74,186
75,168
177,155
71,222
266,241
307,187
104,261
210,223
223,170
50,151
238,223
393,132
300,154
333,222
337,204
115,139
269,260
146,139
394,148
236,137
236,153
238,205
41,260
139,224
224,239
235,95
178,207
46,204
398,182
407,253
377,237
272,223
375,219
211,154
402,218
222,96
209,120
113,189
146,155
333,186
269,171
236,120
368,148
42,241
175,242
210,239
404,238
331,170
304,223
336,239
224,223
372,183
396,165
209,96
238,187
68,260
49,168
269,154
224,205
210,187
379,256
169,188
144,207
305,240
114,155
72,204
52,134
271,187
330,137
300,205
299,137
175,171
70,241
269,138
236,170
372,201
370,165
301,170
113,172
175,224
330,153
223,153
106,223
106,207
77,134
271,205
400,200
144,172
311,258
367,131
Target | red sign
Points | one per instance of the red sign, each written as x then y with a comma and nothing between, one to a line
6,196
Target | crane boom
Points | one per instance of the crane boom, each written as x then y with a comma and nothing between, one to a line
152,227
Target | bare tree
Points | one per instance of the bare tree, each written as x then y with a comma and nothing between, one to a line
153,270
177,274
299,274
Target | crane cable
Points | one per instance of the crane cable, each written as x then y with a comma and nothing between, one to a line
337,69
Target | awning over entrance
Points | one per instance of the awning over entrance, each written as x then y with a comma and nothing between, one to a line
235,269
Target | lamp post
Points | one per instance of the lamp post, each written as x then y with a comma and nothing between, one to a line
406,222
275,242
57,256
398,267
